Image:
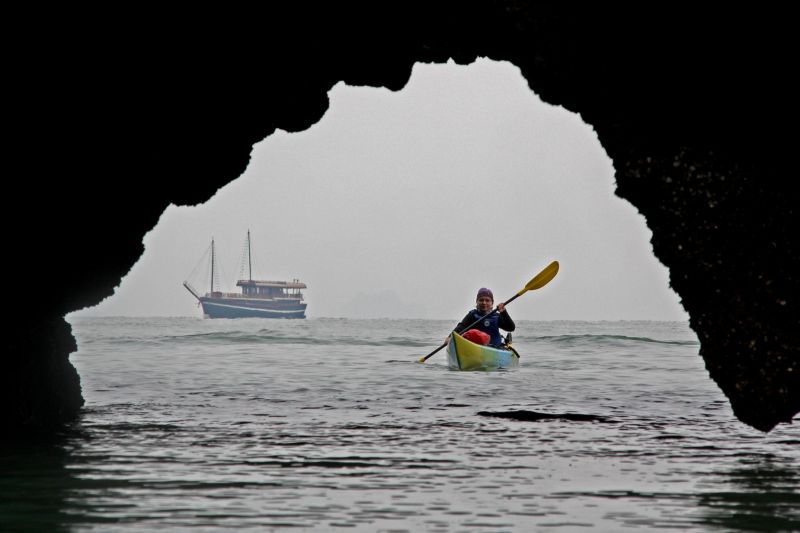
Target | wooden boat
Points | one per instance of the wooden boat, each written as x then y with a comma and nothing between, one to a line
258,299
466,355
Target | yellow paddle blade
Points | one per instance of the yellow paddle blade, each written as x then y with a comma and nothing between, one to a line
541,279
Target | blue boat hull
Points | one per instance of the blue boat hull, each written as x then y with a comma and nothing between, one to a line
251,308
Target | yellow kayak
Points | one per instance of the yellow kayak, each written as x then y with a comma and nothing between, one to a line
466,355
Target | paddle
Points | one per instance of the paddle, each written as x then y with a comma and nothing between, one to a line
539,280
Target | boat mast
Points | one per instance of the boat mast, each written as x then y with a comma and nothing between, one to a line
212,265
249,258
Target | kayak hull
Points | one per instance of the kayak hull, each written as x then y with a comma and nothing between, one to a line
466,355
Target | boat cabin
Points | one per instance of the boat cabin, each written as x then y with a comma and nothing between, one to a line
289,290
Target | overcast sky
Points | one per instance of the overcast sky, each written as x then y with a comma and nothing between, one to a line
402,204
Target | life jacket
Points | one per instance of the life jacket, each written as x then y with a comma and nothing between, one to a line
488,325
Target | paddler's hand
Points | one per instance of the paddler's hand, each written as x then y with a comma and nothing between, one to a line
501,308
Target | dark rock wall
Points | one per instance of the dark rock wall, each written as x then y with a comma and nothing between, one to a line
112,120
43,386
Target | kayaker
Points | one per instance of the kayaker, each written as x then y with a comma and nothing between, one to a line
492,324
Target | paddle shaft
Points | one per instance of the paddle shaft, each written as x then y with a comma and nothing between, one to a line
468,327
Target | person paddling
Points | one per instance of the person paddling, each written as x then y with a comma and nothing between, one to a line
489,326
537,282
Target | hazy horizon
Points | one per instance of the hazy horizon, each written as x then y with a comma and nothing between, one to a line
402,204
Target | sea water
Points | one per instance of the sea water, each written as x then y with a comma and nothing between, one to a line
334,425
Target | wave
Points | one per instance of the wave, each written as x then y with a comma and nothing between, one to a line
610,339
240,337
376,339
376,332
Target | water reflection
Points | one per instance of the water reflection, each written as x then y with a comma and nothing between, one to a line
37,486
321,437
54,486
761,494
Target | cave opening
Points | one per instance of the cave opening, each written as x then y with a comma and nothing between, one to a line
380,202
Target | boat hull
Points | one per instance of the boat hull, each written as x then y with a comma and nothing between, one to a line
465,355
251,308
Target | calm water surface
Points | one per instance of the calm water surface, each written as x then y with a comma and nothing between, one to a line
332,425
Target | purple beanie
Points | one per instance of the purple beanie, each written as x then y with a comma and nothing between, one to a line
483,291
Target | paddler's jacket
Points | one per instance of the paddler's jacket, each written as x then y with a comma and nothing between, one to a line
491,324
